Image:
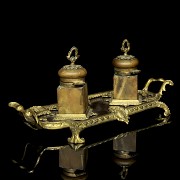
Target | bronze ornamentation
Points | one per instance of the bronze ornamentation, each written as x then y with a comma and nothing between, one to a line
119,104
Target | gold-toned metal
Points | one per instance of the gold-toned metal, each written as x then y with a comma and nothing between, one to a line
72,88
73,58
125,86
118,104
124,48
80,147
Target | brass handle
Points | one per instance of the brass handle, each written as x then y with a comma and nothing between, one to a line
16,106
164,83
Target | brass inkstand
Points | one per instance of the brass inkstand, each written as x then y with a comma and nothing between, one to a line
75,107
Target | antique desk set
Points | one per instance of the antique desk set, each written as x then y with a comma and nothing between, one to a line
76,109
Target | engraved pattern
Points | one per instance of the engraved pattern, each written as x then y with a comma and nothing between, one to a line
164,121
69,67
45,116
125,57
107,94
148,105
54,125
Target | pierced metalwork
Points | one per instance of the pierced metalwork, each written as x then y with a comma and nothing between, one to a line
125,46
73,58
117,104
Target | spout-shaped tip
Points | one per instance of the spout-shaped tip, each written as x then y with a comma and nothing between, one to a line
16,106
171,83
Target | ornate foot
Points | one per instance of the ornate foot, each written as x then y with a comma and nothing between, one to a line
165,107
75,138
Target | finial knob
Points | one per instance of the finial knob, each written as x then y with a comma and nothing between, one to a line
125,46
72,72
125,61
73,58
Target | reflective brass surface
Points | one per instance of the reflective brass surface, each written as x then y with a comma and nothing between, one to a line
76,109
73,158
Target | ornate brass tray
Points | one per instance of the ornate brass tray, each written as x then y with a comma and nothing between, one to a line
77,110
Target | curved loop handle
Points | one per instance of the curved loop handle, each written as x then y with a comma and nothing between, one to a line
73,58
125,46
164,83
